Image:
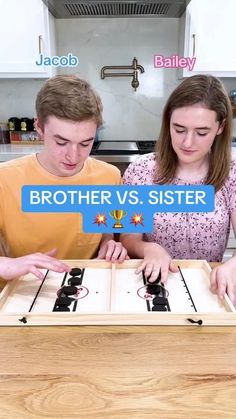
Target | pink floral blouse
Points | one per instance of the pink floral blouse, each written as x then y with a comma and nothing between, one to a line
188,235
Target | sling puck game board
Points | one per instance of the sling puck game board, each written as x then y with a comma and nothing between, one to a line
96,292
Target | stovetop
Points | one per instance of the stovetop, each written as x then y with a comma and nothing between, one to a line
122,147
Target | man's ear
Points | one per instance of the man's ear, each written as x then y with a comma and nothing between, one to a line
38,127
221,127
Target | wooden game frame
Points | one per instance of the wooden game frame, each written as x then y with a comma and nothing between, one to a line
110,318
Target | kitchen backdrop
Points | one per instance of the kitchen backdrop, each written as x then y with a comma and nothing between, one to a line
110,41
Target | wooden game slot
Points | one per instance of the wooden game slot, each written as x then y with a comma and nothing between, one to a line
186,263
112,285
129,264
193,263
117,319
88,263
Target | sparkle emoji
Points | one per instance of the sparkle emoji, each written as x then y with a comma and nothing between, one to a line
100,219
137,219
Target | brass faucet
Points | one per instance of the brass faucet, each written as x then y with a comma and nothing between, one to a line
135,67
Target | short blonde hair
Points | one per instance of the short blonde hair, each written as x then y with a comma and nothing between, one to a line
68,97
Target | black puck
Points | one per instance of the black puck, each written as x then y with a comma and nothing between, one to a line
68,290
154,289
75,280
63,301
157,280
159,308
75,271
61,308
159,301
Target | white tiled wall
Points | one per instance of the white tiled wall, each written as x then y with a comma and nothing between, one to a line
100,42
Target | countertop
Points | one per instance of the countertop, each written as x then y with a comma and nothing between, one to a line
13,151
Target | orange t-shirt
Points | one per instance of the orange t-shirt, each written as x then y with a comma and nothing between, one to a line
40,232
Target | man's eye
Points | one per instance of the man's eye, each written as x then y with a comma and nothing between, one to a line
60,143
85,145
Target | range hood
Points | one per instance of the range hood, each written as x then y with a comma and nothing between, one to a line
116,8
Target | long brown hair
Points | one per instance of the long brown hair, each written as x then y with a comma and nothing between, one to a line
209,91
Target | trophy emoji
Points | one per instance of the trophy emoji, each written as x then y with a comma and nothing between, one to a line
118,215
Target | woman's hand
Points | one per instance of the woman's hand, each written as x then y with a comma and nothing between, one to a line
223,280
12,267
113,251
156,259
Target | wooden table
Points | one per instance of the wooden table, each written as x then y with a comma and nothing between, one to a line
118,372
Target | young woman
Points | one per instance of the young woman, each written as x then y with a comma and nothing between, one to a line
194,148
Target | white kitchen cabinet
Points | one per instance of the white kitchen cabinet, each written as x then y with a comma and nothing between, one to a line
25,32
209,36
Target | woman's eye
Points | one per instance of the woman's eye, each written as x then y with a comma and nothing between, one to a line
201,134
179,131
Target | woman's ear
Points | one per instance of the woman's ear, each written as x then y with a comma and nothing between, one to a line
221,127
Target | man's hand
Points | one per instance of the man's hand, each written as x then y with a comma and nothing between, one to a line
12,267
112,251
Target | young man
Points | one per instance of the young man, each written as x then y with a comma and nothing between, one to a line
68,115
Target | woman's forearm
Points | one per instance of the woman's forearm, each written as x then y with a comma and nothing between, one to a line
134,244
